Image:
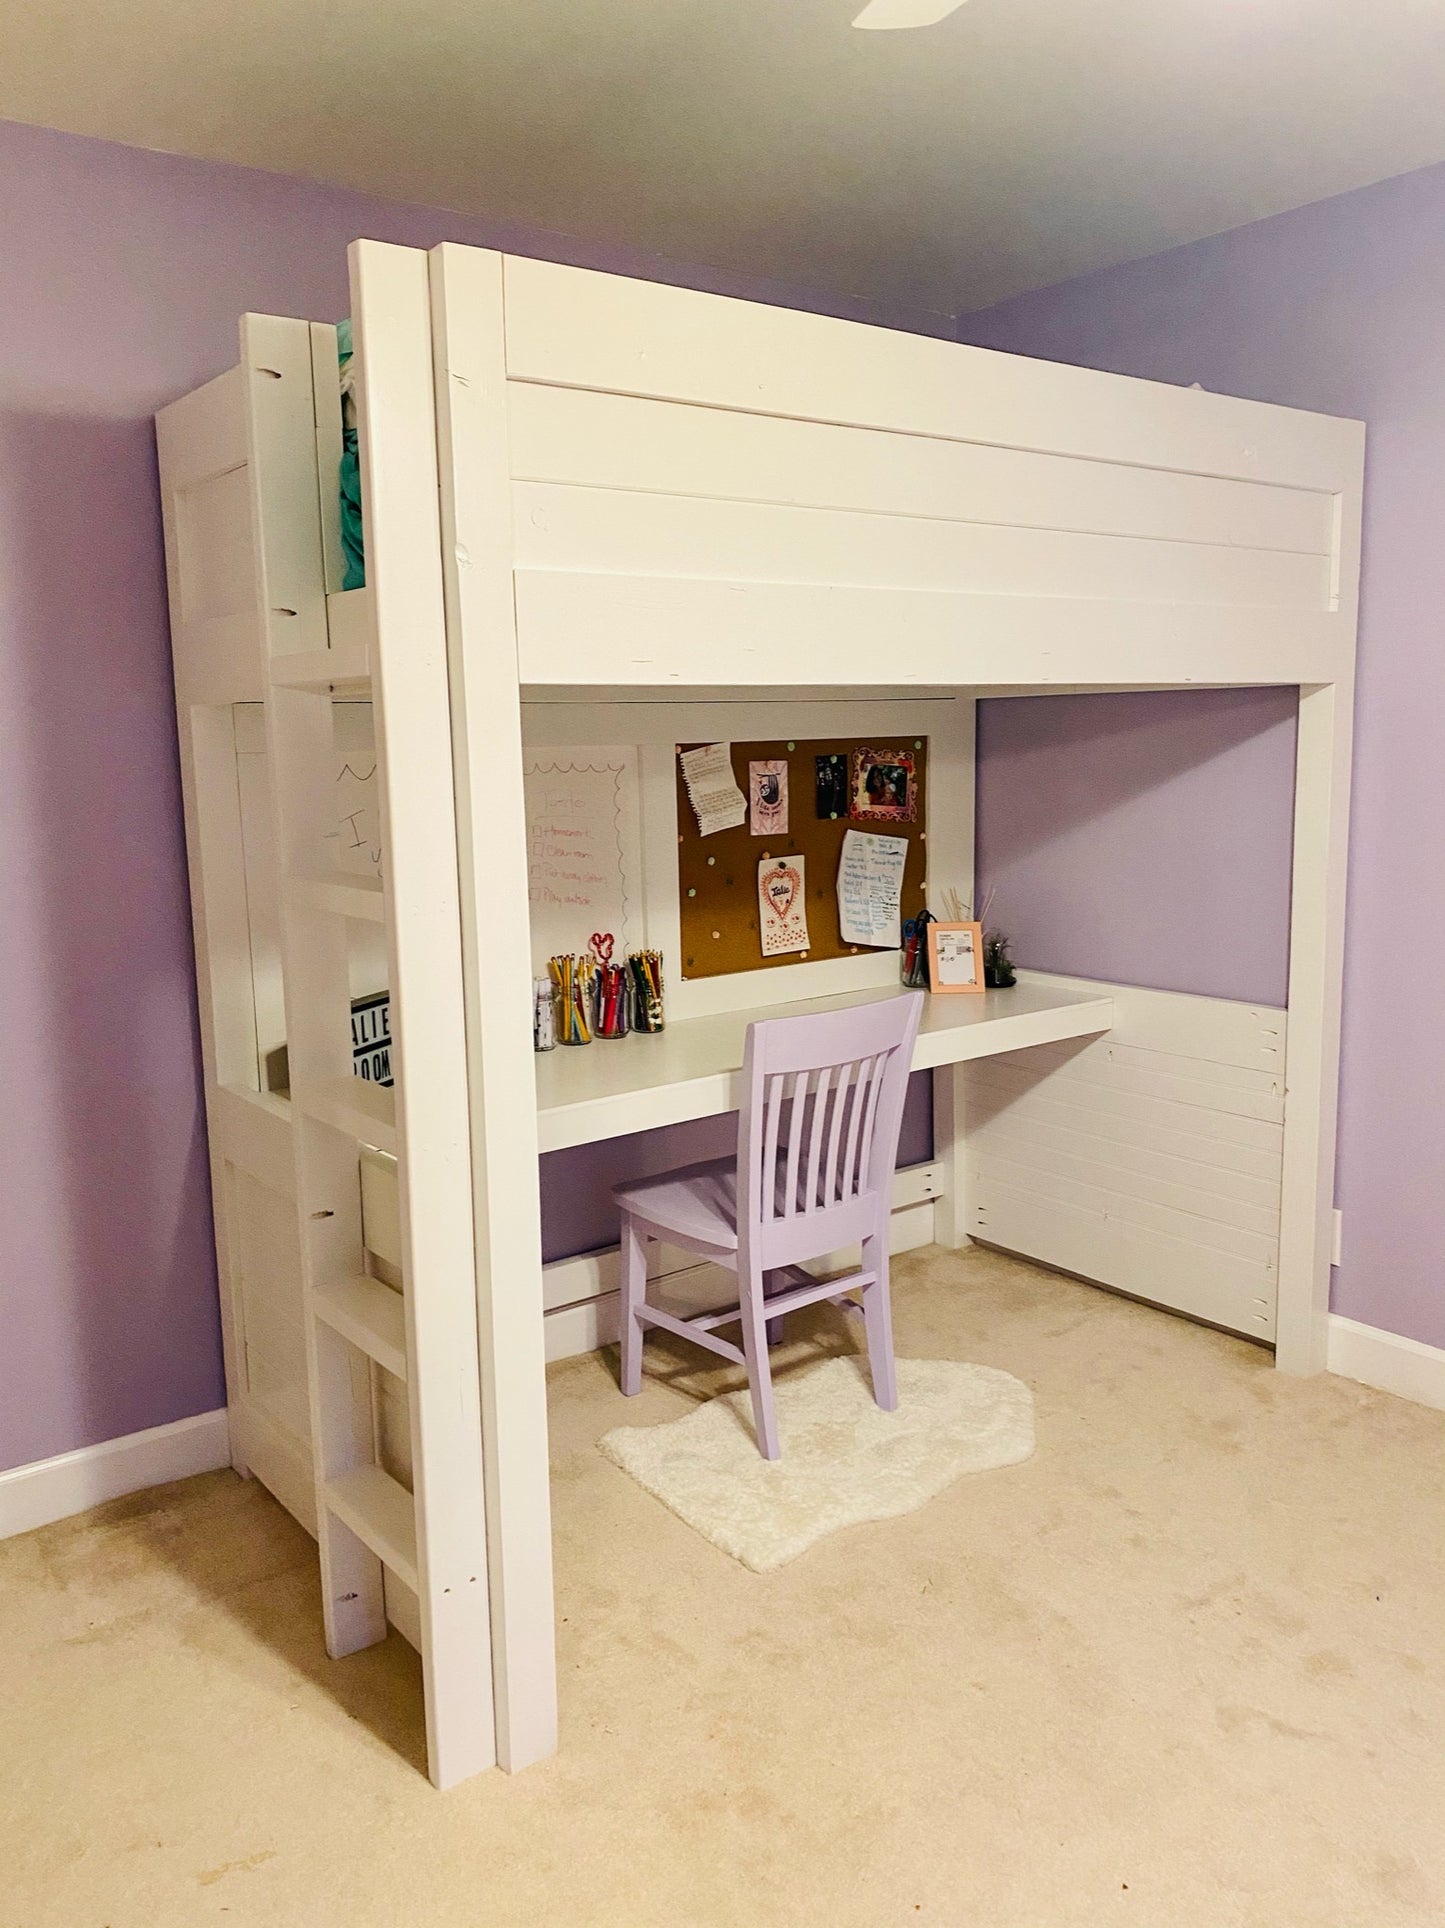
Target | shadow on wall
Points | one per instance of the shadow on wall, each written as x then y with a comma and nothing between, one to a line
1143,838
107,1271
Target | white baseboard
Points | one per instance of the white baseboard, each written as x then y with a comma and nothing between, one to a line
1384,1360
53,1489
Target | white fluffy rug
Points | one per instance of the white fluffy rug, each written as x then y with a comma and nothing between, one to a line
843,1460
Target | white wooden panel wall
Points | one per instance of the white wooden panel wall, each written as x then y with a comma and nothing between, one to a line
609,531
705,488
606,441
1149,1160
575,328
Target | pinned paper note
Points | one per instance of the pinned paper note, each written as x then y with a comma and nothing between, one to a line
712,789
782,906
768,797
870,885
584,849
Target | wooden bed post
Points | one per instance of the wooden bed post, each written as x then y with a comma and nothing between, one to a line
1312,1051
477,554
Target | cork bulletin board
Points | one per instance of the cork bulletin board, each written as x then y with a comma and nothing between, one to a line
718,875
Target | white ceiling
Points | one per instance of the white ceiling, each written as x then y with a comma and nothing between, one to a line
1014,144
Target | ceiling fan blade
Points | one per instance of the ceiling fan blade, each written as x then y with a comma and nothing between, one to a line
888,14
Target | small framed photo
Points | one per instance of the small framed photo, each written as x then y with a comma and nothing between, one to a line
884,787
955,958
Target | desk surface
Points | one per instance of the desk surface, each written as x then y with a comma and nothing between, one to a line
693,1069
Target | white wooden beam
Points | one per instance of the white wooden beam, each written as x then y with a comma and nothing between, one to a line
491,827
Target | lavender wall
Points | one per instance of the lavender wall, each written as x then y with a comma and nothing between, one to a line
124,276
1143,839
1335,307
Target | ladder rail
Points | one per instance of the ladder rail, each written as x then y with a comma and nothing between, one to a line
433,1539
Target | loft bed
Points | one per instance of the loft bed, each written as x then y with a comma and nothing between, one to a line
604,512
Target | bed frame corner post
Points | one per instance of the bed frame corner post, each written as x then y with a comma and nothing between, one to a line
1312,1054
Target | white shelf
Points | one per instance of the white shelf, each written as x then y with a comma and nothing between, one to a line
366,1111
693,1069
358,897
370,1315
380,1513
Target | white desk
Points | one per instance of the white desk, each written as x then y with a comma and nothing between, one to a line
693,1069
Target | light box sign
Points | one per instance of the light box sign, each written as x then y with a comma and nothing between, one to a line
371,1038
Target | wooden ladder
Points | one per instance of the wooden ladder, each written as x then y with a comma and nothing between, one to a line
386,643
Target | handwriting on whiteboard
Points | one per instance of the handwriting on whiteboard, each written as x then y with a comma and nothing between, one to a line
582,837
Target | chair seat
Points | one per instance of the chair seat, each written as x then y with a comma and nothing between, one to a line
698,1204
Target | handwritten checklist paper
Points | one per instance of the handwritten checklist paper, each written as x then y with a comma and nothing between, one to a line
870,886
712,789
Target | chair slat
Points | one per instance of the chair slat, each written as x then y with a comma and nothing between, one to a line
832,1173
865,1151
855,1121
768,1173
797,1113
813,1182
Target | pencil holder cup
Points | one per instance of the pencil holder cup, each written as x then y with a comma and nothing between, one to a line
612,1012
544,1015
644,968
573,994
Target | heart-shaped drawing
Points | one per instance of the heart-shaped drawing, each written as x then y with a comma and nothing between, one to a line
782,888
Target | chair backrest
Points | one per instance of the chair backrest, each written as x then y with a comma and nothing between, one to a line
818,1127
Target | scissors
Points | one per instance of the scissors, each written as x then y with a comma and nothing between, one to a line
602,943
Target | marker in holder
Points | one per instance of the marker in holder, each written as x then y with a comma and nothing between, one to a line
611,994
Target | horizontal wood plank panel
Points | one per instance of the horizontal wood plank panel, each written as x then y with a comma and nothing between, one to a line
624,442
1133,1125
1221,1030
577,328
1015,1081
1232,1224
1149,1159
1106,1060
1190,1227
624,532
580,628
1208,1189
1175,1273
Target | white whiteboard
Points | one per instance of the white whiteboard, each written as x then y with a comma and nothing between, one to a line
584,848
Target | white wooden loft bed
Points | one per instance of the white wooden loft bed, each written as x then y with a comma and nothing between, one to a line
603,511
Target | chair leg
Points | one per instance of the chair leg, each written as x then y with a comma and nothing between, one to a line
878,1321
776,1327
632,1296
760,1372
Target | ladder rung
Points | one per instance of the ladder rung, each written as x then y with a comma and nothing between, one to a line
358,897
355,1105
370,1315
380,1513
321,669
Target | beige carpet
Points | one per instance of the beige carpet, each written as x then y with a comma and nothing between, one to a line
844,1460
1184,1668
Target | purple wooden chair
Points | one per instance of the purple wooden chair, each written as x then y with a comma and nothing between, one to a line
817,1144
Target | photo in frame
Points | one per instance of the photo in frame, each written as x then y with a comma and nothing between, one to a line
955,958
883,787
